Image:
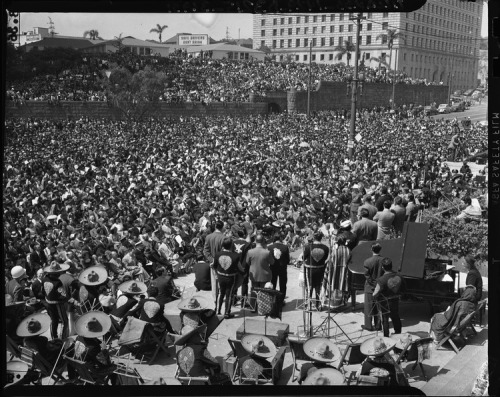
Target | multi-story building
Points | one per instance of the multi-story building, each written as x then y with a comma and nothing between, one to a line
439,42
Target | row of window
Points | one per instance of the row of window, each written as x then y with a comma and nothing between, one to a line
322,41
315,18
315,30
445,11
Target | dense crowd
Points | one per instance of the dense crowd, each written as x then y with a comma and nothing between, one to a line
194,79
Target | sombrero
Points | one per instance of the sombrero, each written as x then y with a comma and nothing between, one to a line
56,267
194,304
188,332
133,287
259,345
377,346
93,275
324,376
33,325
93,324
321,350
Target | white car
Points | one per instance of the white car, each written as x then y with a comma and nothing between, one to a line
444,108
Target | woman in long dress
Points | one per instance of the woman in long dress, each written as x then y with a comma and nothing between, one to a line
336,276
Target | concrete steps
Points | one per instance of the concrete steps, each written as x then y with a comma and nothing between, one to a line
457,377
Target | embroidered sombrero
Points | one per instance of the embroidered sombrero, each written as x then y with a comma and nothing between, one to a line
93,275
321,350
33,325
259,345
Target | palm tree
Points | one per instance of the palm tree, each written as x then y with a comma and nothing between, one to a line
159,29
119,42
347,48
390,36
93,34
381,60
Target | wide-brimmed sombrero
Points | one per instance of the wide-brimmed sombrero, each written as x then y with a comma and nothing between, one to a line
189,332
259,345
194,304
93,275
377,346
324,377
33,325
321,350
133,287
93,324
56,268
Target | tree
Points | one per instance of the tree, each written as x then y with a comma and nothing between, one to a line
134,94
159,29
381,60
347,48
389,37
118,43
93,34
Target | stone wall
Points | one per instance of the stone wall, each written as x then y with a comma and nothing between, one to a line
102,110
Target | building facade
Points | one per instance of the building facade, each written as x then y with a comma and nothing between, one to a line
439,42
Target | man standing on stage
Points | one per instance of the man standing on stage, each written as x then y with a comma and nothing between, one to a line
281,255
315,257
259,261
241,246
213,244
373,270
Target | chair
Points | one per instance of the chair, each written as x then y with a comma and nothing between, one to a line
84,374
40,364
480,310
457,331
417,351
351,360
128,376
12,348
250,369
186,366
297,350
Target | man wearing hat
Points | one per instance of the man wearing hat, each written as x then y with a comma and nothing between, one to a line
315,257
386,294
345,232
151,311
378,363
322,352
128,301
15,287
57,298
373,270
195,311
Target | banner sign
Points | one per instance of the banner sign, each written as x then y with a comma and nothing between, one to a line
192,39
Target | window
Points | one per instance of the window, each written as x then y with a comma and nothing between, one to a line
306,19
349,28
262,43
282,21
314,41
297,31
315,29
341,28
315,18
298,19
297,43
275,32
330,57
367,55
274,43
322,57
384,39
332,28
369,26
306,42
289,43
369,15
246,56
341,17
306,30
313,58
282,43
385,14
349,39
383,55
282,31
290,21
242,55
148,51
262,22
141,51
281,57
351,15
322,42
323,29
341,40
385,25
290,31
262,33
360,40
404,56
368,40
332,41
296,57
304,57
332,17
323,18
275,21
360,27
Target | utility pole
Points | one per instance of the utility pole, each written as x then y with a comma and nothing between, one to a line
354,93
394,79
309,84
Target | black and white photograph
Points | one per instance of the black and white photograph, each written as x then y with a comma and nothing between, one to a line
222,198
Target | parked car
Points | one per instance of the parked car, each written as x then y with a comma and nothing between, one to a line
430,111
444,108
468,92
457,93
457,107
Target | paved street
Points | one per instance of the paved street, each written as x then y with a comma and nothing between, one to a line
475,112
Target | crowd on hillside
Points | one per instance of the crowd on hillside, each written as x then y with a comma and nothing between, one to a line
193,79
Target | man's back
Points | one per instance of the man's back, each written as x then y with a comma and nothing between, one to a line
372,210
165,289
399,217
259,260
474,278
365,230
373,270
281,253
213,244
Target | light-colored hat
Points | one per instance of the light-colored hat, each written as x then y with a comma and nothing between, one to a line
56,268
18,272
259,345
93,275
321,349
133,287
194,304
188,332
377,346
33,325
346,223
324,377
93,324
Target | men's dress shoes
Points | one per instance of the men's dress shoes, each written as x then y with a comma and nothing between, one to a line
367,328
229,315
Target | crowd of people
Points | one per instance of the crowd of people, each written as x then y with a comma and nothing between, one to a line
194,79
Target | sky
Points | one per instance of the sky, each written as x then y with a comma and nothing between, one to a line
139,25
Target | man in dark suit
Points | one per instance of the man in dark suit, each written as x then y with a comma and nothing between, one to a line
259,261
367,203
399,215
315,257
165,285
241,246
365,229
383,197
473,277
281,255
202,279
213,244
373,270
